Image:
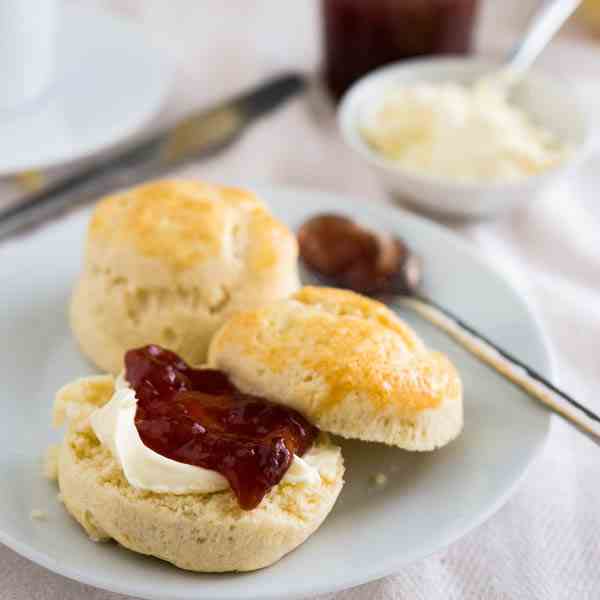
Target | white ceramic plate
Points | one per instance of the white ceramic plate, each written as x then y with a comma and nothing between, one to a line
431,500
109,82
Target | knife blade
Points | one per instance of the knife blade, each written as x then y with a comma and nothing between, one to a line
202,134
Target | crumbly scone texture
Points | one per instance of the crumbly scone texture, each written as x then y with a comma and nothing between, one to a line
198,532
348,363
168,261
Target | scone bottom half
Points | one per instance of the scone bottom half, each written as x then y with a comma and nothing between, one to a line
206,532
167,262
348,364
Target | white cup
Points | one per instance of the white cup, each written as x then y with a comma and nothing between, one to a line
28,35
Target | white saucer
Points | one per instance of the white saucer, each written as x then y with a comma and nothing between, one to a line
109,82
431,498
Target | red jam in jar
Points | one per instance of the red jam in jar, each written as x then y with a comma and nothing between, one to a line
198,417
361,35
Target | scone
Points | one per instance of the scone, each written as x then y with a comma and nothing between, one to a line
348,364
167,262
207,532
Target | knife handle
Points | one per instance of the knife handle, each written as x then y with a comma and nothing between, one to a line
274,92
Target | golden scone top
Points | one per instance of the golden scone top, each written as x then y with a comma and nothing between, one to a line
350,342
342,303
186,222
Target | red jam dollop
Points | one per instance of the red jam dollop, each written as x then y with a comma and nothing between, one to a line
198,417
351,256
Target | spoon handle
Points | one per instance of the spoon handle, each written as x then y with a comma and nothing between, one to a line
529,380
546,22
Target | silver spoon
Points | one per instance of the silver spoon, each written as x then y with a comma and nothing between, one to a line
544,25
341,253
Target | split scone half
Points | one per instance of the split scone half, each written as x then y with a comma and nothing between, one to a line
199,532
348,364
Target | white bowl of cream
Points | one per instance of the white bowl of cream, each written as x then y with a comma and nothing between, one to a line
449,143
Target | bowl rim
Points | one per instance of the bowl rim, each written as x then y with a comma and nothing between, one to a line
348,126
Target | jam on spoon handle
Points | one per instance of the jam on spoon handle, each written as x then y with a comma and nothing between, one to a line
530,381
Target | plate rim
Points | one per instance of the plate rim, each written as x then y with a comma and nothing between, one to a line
392,564
165,65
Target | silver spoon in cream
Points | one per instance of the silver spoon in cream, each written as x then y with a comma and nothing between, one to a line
545,24
343,253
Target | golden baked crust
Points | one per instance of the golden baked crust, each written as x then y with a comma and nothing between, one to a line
198,532
182,222
345,361
166,262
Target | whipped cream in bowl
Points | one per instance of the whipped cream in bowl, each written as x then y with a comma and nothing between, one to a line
114,425
448,141
465,133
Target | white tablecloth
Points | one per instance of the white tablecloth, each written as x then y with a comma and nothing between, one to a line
544,543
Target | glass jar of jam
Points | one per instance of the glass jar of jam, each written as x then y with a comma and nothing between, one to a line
361,35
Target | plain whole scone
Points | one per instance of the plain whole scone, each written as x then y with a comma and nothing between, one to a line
349,364
167,262
198,532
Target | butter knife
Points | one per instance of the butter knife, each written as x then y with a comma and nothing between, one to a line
200,135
